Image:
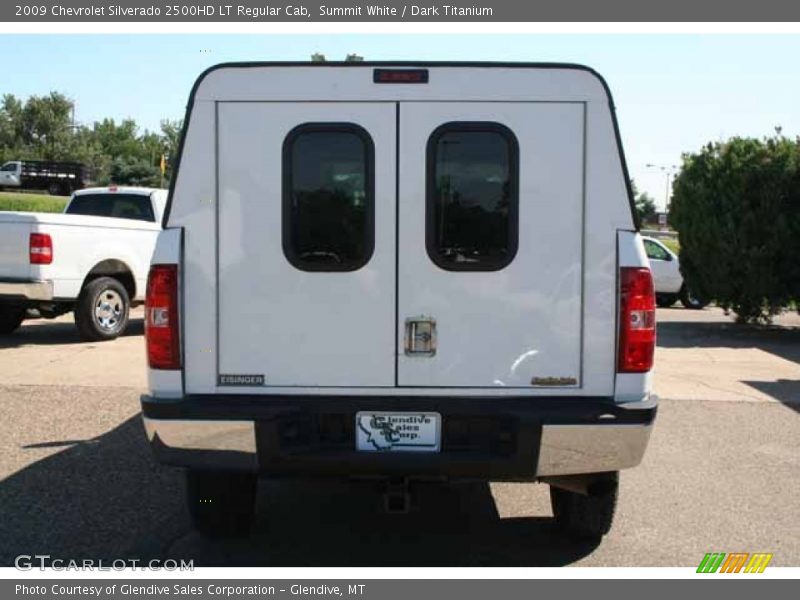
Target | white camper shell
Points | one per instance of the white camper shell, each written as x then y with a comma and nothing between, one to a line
401,270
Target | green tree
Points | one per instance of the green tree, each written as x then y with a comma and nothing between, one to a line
42,128
736,206
10,127
125,156
645,205
133,171
118,140
47,126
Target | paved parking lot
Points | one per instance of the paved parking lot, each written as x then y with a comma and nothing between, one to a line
48,352
703,355
722,472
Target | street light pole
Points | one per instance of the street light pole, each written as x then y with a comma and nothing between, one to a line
668,171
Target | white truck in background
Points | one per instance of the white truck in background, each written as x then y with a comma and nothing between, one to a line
57,177
400,271
667,277
92,259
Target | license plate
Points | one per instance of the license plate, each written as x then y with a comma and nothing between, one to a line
398,431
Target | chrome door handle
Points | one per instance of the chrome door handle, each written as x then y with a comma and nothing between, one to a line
420,338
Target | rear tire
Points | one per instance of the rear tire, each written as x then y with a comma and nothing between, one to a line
101,312
589,516
689,300
221,504
666,300
54,189
11,318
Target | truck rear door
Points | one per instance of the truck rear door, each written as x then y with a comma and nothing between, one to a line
490,244
306,244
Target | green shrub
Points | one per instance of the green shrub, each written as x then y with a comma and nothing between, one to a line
736,206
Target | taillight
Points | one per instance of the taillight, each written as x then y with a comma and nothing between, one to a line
40,249
637,320
161,318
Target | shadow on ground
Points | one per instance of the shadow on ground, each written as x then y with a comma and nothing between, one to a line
783,342
54,333
104,498
786,391
101,498
343,524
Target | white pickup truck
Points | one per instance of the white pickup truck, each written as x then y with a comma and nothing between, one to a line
667,277
92,259
400,271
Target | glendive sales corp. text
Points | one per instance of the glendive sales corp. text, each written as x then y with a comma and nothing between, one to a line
251,12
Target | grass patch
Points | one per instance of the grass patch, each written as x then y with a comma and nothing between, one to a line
32,202
672,245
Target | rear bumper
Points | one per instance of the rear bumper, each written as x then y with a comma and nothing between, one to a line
18,289
495,439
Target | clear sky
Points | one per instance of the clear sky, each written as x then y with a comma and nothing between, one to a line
673,92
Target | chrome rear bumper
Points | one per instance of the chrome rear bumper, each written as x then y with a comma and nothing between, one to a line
545,443
564,449
218,444
26,290
578,449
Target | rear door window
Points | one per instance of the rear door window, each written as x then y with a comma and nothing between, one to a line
472,196
136,207
328,197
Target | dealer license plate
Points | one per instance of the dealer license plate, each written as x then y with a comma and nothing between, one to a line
398,431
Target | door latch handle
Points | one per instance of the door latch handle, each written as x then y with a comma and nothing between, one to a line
420,338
